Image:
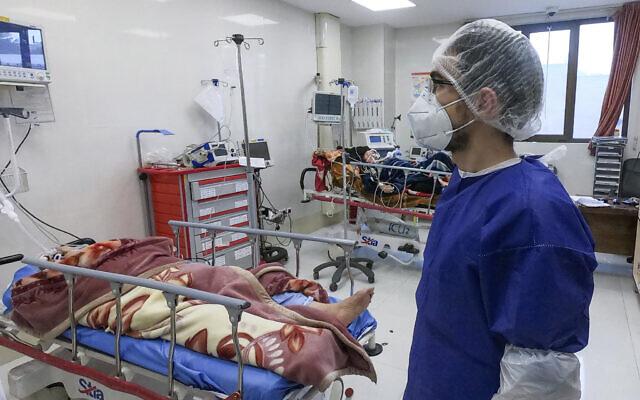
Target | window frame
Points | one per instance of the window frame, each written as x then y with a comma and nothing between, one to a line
572,77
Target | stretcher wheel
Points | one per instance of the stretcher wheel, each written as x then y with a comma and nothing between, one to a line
374,351
372,279
316,276
333,287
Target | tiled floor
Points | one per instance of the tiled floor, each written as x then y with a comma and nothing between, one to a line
610,364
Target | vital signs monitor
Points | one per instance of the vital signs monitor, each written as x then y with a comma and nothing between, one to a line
22,58
327,108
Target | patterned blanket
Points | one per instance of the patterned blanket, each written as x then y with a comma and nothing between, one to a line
302,344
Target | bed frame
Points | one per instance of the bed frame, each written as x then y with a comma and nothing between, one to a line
69,362
425,214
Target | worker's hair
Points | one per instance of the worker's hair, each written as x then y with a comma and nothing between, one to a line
490,54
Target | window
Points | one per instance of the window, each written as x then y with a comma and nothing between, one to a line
576,61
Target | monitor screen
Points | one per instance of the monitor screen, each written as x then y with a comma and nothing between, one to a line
258,150
416,151
327,104
375,139
21,46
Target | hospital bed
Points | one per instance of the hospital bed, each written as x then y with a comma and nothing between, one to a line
92,364
419,207
405,213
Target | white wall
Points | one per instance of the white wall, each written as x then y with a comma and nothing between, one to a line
108,83
633,132
389,74
372,63
367,58
346,46
414,50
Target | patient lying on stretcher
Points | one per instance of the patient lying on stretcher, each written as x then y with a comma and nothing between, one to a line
385,181
307,343
345,311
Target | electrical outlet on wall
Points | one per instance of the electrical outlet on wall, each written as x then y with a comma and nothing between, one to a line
635,143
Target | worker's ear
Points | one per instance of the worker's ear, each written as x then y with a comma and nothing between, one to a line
487,103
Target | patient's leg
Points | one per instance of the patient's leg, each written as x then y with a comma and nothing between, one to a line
348,309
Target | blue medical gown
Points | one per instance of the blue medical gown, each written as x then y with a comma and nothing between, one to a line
509,259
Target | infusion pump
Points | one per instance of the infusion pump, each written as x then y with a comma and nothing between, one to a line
382,140
379,139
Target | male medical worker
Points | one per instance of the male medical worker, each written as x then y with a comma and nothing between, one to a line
503,302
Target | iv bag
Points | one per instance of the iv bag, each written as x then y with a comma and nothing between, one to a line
352,95
210,100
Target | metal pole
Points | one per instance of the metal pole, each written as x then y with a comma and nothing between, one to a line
148,203
172,301
347,258
297,244
176,235
71,283
116,288
409,169
344,165
251,231
234,317
253,208
213,235
144,282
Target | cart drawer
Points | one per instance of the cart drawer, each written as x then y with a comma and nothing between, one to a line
236,219
238,256
216,187
218,173
223,206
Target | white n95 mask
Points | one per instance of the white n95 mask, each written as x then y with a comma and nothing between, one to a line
430,123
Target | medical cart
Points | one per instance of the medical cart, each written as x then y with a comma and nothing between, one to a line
215,195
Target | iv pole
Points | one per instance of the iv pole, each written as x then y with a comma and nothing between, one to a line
240,40
347,256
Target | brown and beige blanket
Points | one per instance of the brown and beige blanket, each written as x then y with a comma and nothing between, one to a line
300,343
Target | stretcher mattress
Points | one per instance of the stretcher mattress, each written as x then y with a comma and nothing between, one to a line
192,368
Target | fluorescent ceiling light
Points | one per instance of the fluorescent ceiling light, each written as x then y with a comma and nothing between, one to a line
382,5
249,20
147,33
42,13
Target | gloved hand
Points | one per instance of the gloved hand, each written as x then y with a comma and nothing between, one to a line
538,374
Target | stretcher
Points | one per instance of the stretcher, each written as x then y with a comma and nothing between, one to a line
89,364
356,199
353,200
381,244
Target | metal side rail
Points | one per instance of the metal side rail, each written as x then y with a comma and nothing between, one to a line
330,197
171,292
407,169
346,245
368,342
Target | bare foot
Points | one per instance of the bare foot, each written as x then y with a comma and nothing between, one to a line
348,309
351,307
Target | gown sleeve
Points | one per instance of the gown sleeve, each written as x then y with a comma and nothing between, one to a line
538,296
536,292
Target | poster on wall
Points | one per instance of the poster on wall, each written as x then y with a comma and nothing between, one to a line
418,82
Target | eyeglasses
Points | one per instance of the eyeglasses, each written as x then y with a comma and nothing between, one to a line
432,83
